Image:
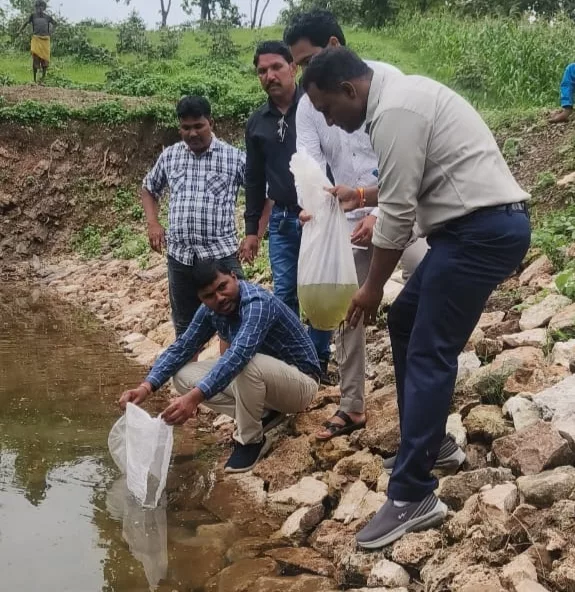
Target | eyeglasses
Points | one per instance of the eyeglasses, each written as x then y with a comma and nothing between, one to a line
282,129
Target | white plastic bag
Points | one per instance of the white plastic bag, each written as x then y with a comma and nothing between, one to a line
145,530
141,447
327,279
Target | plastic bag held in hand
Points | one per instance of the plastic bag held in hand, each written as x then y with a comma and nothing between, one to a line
327,279
141,447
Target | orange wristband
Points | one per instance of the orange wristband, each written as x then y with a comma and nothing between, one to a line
361,194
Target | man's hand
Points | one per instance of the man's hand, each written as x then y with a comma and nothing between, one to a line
182,408
156,236
347,196
364,304
136,396
249,249
363,232
304,217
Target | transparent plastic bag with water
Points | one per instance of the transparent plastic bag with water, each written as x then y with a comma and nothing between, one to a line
141,447
327,279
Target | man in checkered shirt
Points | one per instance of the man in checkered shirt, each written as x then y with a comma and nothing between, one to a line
203,175
271,367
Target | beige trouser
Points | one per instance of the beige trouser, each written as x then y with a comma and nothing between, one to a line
350,343
265,383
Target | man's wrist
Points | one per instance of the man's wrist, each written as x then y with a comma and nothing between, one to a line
148,386
197,395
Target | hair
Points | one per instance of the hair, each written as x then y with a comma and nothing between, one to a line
204,273
194,106
332,66
40,4
317,26
275,47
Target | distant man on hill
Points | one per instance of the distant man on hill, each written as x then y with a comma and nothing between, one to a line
270,144
353,166
203,175
270,368
567,89
439,163
42,27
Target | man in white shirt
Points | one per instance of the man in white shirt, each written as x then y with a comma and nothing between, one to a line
353,167
439,164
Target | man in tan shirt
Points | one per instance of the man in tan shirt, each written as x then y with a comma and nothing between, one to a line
439,166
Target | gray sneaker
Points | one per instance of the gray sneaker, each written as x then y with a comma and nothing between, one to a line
450,458
392,522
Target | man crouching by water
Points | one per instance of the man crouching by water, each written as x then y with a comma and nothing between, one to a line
271,367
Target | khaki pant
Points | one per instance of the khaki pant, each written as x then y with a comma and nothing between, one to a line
350,343
265,383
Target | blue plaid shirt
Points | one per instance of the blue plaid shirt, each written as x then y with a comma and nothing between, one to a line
262,324
203,193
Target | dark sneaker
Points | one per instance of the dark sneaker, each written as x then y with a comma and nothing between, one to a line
450,458
272,419
245,456
392,522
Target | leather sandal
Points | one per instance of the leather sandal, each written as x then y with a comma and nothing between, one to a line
336,429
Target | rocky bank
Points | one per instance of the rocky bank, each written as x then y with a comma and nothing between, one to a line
512,506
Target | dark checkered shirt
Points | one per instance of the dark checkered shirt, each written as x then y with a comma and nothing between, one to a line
262,324
203,194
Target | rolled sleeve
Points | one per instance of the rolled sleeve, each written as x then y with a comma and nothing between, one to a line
157,180
399,138
258,317
183,349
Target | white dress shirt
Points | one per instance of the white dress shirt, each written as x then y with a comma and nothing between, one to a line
350,156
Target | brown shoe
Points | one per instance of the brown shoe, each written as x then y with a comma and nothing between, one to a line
561,116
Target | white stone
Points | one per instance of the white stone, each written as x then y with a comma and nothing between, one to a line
383,482
531,337
222,420
302,521
488,319
564,319
456,428
391,291
307,492
133,338
387,573
358,503
503,498
540,267
540,314
518,570
563,353
558,401
523,412
467,364
530,586
145,351
253,486
566,426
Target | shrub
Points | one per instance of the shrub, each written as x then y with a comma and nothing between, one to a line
132,36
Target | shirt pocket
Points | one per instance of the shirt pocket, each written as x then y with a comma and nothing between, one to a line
218,186
177,181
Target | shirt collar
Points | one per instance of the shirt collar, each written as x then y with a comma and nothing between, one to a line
215,146
271,109
374,96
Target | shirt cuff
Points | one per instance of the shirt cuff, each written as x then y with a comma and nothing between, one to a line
153,380
381,241
252,227
206,388
374,212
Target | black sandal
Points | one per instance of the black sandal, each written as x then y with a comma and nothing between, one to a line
336,429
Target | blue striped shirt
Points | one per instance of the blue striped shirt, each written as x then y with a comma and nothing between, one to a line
262,324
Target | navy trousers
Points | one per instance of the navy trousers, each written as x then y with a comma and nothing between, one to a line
430,324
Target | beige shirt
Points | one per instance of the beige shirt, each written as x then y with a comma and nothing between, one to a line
438,160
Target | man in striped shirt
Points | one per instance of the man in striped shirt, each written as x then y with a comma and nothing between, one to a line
271,367
203,175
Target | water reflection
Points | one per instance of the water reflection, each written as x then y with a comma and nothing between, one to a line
145,530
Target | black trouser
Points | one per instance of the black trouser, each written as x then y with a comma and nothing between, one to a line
183,296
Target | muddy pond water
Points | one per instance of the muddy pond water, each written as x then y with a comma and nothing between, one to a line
66,521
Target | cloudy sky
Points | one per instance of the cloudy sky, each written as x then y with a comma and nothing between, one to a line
76,10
